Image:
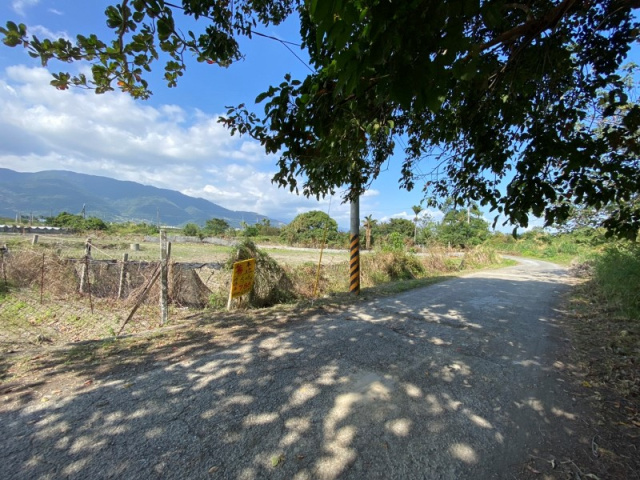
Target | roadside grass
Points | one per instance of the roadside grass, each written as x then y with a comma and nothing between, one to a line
561,248
604,320
617,274
608,304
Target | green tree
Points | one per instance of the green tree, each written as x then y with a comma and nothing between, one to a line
191,230
265,228
249,230
428,232
66,220
461,80
395,225
216,226
394,242
416,210
463,228
368,223
94,223
77,222
311,228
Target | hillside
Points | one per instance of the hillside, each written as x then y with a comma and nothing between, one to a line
50,192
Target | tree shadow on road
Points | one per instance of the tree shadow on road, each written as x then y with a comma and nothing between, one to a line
411,386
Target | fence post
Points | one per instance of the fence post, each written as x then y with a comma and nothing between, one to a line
4,249
123,275
164,277
42,280
84,277
88,280
230,300
34,240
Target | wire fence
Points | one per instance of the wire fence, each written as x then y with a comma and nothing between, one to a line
61,285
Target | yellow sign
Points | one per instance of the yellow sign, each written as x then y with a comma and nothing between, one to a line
242,277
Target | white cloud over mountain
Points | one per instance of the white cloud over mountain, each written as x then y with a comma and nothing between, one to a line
165,146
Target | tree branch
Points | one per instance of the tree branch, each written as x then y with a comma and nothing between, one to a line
532,28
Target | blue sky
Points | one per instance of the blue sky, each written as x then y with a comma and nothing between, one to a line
172,140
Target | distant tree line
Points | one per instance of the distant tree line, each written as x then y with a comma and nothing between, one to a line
458,228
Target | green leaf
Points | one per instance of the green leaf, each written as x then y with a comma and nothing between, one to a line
261,97
277,460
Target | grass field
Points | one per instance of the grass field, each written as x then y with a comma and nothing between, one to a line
113,248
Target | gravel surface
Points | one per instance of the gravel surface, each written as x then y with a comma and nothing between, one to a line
457,380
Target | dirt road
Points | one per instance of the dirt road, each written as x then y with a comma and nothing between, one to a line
457,380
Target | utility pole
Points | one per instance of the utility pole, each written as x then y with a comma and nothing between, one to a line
354,248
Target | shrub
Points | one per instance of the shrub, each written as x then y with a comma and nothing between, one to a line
191,230
390,266
271,284
617,273
479,257
394,242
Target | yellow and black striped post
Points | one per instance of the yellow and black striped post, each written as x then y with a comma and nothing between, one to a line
354,264
354,248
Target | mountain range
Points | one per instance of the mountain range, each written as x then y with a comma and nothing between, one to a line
47,193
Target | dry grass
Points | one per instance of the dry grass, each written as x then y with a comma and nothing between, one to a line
609,341
605,340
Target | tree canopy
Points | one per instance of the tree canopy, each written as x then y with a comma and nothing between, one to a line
401,226
76,222
215,226
521,107
311,228
463,228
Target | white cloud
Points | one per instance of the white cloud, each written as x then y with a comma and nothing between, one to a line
19,6
427,213
112,135
43,32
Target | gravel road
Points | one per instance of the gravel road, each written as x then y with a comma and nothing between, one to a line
458,380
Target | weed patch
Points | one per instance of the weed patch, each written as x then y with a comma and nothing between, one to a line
605,313
617,274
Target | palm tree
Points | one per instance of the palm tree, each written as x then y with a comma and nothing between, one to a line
368,224
416,209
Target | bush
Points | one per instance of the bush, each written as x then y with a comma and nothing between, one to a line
479,257
77,222
271,284
130,228
310,229
394,242
390,266
617,273
191,230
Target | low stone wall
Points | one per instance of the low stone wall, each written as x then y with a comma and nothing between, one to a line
32,229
